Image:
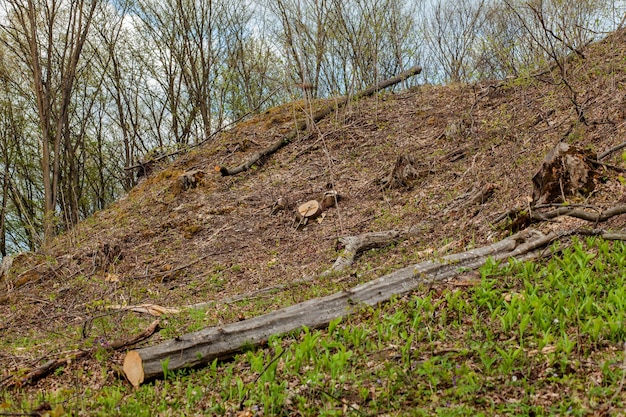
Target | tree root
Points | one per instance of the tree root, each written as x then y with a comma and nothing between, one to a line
354,245
531,216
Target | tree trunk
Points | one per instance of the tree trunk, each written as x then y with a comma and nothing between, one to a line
52,81
3,209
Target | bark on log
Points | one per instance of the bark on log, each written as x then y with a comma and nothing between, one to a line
202,347
317,116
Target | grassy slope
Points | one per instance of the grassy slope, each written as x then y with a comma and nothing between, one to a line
496,346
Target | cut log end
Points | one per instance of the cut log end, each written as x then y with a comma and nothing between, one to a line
222,170
309,210
133,368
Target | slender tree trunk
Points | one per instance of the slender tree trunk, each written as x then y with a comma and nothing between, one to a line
3,208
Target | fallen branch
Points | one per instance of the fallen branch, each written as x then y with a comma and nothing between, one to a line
316,117
202,347
353,245
256,157
475,196
611,150
598,217
576,211
151,309
72,356
609,166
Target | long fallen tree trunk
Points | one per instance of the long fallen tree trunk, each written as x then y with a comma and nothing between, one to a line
202,347
317,116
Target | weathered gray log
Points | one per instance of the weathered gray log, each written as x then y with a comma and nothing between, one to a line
316,117
202,347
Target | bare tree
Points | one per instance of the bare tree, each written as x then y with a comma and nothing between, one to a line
340,46
452,33
48,37
559,29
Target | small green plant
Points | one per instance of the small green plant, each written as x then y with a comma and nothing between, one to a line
165,365
524,329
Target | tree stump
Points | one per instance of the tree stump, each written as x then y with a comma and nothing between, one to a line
566,171
330,199
404,171
190,179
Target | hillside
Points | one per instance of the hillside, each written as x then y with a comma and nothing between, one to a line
172,247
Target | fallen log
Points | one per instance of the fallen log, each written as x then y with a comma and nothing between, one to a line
202,347
316,117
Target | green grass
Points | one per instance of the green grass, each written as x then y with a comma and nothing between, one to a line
530,339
